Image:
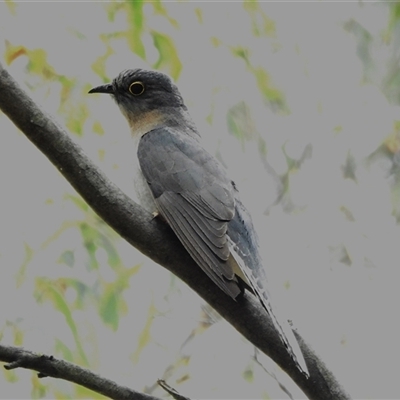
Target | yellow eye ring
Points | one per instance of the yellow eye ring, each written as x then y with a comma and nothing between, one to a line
136,88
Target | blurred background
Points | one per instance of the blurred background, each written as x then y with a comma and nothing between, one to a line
300,101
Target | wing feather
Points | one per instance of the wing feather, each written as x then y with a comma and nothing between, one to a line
194,195
219,271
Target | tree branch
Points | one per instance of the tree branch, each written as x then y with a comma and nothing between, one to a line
49,366
156,240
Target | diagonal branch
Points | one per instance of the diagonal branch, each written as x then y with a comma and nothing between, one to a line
155,239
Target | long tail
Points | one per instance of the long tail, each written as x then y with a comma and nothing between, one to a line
257,284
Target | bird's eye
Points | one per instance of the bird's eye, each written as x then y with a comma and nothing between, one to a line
136,88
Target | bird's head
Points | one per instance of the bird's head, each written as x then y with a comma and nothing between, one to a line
138,90
146,98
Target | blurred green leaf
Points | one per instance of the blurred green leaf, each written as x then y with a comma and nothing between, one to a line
161,10
391,82
74,110
199,14
295,164
78,34
82,290
248,375
349,167
18,334
90,238
136,21
11,6
37,64
77,114
112,8
39,388
10,375
394,15
240,123
99,65
78,201
241,52
364,40
109,306
67,87
168,55
113,258
93,238
46,289
145,335
13,52
21,273
215,41
111,302
134,13
83,393
62,349
64,226
101,154
98,128
272,94
262,25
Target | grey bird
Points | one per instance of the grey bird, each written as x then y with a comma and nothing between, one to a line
178,179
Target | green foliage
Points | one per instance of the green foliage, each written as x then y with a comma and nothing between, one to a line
145,334
99,65
11,6
240,123
262,25
75,111
199,15
39,388
10,375
77,115
54,291
248,375
110,301
79,203
63,351
67,257
168,59
91,237
394,16
20,276
272,94
160,9
134,10
37,58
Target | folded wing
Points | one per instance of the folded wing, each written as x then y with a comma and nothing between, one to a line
194,195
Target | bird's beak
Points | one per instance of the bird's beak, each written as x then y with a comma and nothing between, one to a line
108,88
